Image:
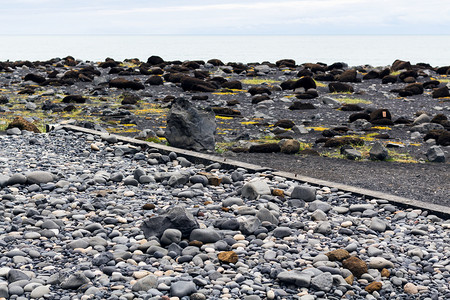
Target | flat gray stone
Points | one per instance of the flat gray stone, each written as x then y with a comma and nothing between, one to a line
295,277
254,189
435,154
145,283
40,291
377,224
74,281
305,193
380,263
322,282
207,235
182,288
170,236
39,177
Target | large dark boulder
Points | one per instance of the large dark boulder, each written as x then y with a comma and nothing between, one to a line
441,136
400,65
379,114
284,123
35,78
108,63
74,99
288,85
215,62
357,116
315,67
348,76
389,79
339,87
201,74
259,90
305,82
190,128
234,84
129,99
191,64
155,80
174,77
23,124
443,70
305,72
407,74
441,92
415,88
351,107
155,60
288,63
371,75
259,98
122,83
226,111
432,84
265,148
176,218
197,85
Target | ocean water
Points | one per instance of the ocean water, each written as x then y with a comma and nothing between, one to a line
375,50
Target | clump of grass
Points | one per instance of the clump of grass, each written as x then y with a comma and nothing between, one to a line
320,84
224,118
153,139
393,155
318,128
348,100
255,81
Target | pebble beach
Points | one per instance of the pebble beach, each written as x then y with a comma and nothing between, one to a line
89,217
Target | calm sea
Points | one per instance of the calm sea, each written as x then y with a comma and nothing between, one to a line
376,50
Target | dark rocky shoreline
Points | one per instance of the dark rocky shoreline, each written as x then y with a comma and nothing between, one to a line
333,110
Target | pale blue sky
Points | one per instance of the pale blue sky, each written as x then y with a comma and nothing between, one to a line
225,17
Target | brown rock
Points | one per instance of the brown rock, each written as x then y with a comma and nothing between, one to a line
339,255
441,92
23,124
278,192
385,273
148,206
195,243
226,111
290,146
373,286
410,288
229,257
265,148
400,64
122,83
350,279
284,123
212,179
355,265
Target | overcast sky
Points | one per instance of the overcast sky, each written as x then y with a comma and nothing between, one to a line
225,17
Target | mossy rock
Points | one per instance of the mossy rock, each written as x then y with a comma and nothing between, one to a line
22,124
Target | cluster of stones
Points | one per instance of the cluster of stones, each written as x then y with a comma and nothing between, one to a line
88,217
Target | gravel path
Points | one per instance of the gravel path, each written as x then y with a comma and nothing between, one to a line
87,217
424,182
